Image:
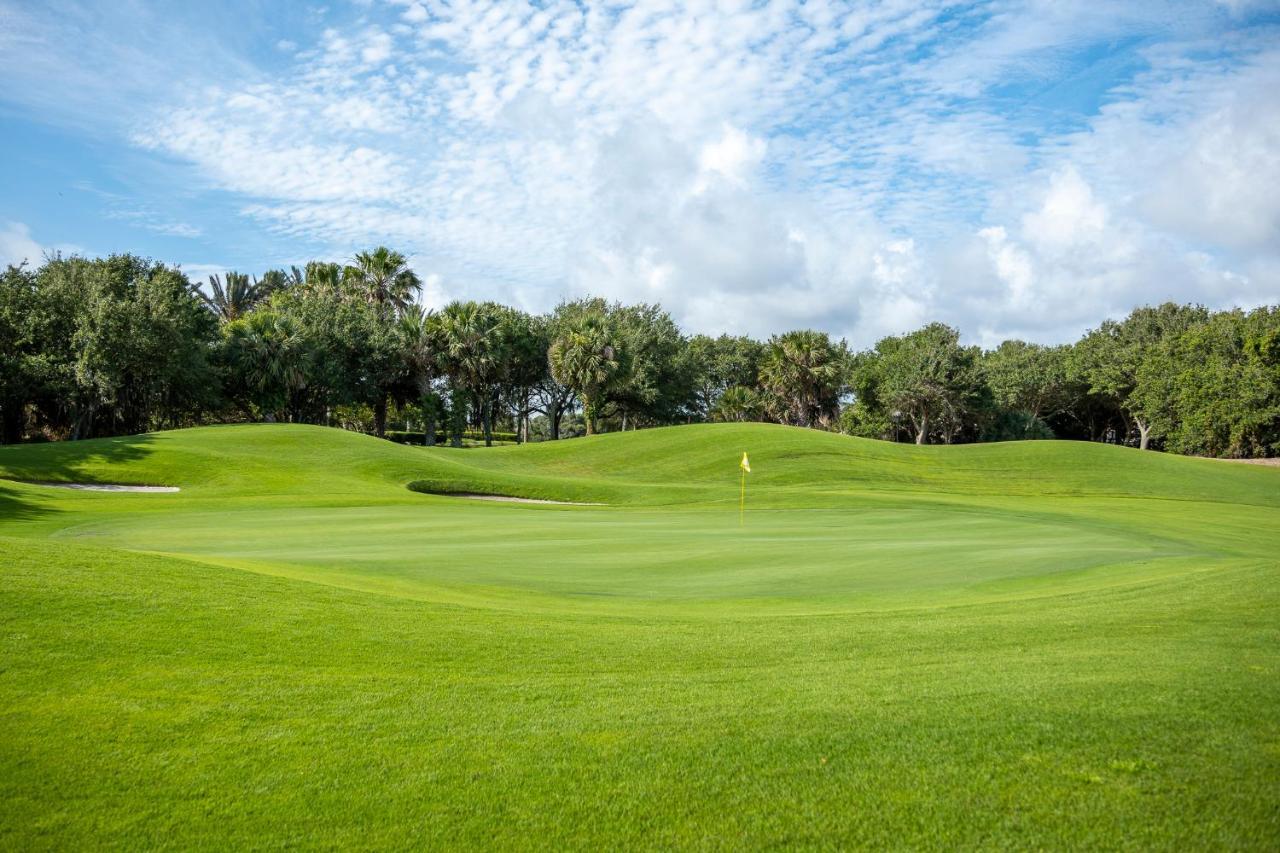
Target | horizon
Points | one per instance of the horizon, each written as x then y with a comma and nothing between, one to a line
1010,169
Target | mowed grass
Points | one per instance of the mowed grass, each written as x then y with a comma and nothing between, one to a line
1026,645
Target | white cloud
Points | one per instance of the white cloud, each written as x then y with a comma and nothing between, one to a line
376,48
733,157
1221,186
1069,217
200,273
17,245
859,167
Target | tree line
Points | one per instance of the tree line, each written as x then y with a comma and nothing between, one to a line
123,344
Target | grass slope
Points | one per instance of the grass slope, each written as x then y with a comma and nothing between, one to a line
1040,644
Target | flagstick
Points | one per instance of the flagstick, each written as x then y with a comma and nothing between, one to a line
742,497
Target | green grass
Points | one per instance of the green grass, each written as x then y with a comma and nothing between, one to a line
1021,645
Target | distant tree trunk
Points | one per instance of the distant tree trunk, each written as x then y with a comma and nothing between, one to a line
85,421
922,429
1144,433
457,417
1128,428
380,416
588,415
624,420
486,420
429,420
557,412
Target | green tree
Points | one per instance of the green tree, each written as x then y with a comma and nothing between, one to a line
141,342
524,368
1111,356
738,403
473,348
358,353
269,358
584,356
237,297
321,278
1213,389
717,364
926,377
383,279
24,363
804,372
1030,383
654,383
423,349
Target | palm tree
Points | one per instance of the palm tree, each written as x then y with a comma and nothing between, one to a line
234,299
383,278
804,372
470,347
583,358
321,277
737,403
269,351
274,280
420,332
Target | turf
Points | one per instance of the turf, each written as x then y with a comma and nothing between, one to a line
1040,644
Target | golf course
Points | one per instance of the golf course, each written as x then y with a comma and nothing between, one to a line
323,639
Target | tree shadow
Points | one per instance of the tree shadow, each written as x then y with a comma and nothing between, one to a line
14,506
71,461
62,462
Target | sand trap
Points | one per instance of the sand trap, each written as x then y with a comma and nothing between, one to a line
1274,462
104,487
508,499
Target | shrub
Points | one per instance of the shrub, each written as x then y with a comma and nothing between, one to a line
401,436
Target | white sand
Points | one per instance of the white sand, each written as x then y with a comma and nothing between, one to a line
106,487
511,500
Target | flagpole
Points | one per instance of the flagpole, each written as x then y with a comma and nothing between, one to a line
742,497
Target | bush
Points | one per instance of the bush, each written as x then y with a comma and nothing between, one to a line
1011,425
400,436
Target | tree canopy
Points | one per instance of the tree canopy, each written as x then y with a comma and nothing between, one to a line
123,344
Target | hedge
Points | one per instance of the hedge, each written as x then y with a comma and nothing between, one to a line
405,437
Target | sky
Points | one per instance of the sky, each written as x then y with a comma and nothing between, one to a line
1015,169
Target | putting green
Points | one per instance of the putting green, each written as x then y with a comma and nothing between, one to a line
1033,644
437,549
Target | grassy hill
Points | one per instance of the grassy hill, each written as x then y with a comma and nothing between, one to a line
1032,644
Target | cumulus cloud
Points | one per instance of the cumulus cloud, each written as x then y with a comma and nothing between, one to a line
858,167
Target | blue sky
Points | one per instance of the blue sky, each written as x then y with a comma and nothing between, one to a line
1014,168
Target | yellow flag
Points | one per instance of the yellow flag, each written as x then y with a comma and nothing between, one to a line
744,464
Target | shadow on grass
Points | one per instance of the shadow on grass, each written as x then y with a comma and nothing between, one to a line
70,461
15,507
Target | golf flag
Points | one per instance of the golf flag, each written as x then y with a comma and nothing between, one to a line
744,464
742,495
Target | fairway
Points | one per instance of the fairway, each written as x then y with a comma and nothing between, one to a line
1032,644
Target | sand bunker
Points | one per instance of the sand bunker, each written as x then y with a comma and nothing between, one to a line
509,499
105,487
1274,462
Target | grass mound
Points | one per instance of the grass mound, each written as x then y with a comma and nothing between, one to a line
1033,644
